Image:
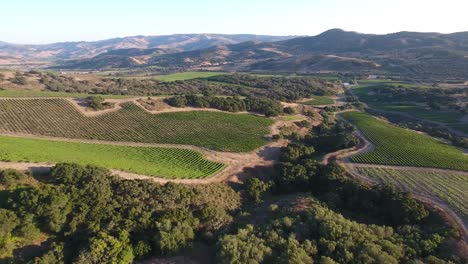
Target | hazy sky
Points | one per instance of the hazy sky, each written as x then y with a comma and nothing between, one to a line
45,21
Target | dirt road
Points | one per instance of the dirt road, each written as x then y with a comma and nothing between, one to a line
342,158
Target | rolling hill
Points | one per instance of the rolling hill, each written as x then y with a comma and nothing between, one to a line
426,55
18,53
410,54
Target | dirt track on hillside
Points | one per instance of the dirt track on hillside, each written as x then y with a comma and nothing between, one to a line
238,165
342,158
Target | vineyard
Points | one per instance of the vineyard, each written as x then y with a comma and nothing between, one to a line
35,93
398,146
59,118
186,76
319,100
154,161
449,187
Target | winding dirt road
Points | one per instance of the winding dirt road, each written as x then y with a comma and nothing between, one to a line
342,158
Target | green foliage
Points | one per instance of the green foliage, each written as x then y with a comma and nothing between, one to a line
92,217
8,222
97,103
10,177
413,149
289,110
243,247
58,118
260,105
328,137
279,87
255,190
105,248
173,236
55,255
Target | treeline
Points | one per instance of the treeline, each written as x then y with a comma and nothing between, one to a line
84,215
87,216
260,105
281,88
339,220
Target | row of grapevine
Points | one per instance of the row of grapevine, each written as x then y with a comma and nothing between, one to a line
449,187
154,161
58,118
398,146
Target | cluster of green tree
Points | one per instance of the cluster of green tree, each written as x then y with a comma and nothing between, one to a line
281,87
430,128
97,103
260,105
92,217
346,223
331,136
435,98
88,216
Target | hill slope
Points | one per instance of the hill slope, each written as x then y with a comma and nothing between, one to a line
17,53
403,53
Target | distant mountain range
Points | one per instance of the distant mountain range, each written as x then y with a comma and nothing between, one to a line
18,53
403,53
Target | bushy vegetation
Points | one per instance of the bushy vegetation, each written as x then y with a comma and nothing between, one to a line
58,118
346,222
280,87
398,146
277,88
91,217
97,103
161,162
260,105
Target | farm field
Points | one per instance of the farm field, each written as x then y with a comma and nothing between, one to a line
186,76
398,146
423,113
404,84
319,100
59,118
154,161
33,93
449,187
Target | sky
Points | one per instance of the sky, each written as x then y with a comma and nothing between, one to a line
48,21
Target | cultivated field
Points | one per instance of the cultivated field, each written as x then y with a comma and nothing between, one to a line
48,94
154,161
59,118
186,76
449,187
398,146
422,112
319,100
